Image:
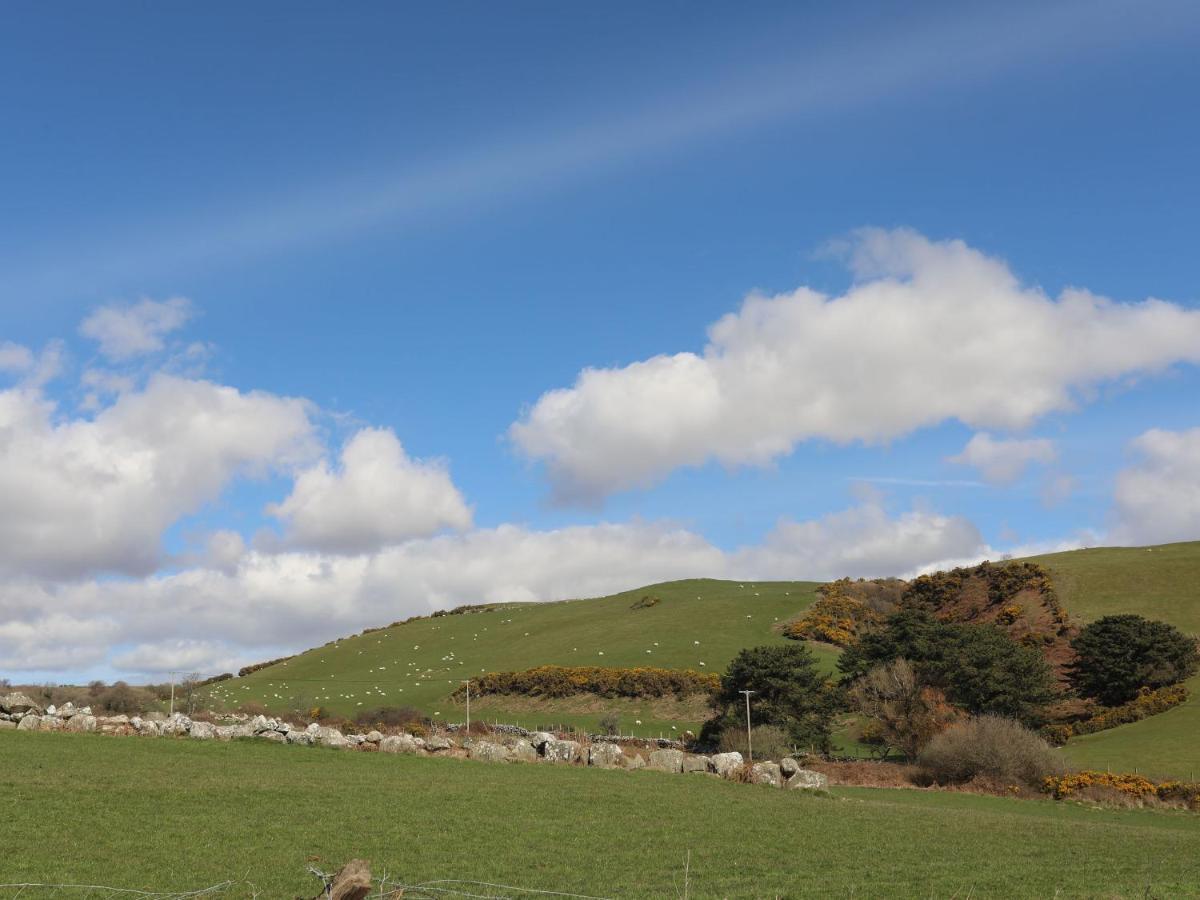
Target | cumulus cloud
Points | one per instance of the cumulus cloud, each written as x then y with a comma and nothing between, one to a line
1004,460
125,331
256,604
376,496
90,495
930,331
1158,497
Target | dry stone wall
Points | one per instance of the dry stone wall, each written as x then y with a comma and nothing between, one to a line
19,712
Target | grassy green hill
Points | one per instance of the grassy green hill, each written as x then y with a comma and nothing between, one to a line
260,814
700,624
1159,583
697,624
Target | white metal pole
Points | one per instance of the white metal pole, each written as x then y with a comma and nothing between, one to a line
749,741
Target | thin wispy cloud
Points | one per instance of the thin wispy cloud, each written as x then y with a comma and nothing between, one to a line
936,54
917,482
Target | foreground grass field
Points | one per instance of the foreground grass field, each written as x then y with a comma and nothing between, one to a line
697,624
176,814
1157,582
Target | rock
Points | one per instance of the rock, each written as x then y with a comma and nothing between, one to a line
52,710
605,756
766,773
328,737
81,723
788,767
562,751
66,710
203,731
87,711
18,704
667,760
633,761
438,743
693,762
148,727
488,751
155,716
227,732
51,723
7,724
178,725
299,737
539,739
807,780
260,723
727,765
420,742
523,751
374,737
399,743
31,722
273,736
352,882
313,728
114,720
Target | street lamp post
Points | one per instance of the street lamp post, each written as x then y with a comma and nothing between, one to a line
749,743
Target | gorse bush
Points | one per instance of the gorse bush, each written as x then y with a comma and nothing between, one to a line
1119,655
1183,793
567,681
834,619
1002,581
992,747
1147,703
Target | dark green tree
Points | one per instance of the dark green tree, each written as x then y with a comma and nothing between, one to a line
978,667
789,691
1119,655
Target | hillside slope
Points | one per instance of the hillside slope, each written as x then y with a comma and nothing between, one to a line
697,624
1160,582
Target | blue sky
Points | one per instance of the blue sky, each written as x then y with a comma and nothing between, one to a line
417,222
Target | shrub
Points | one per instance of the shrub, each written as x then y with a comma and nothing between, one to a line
789,692
989,746
566,681
1181,792
246,670
1118,655
1147,703
646,602
769,742
905,713
978,667
388,717
122,699
834,619
610,724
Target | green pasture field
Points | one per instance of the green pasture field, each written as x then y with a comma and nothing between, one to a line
165,814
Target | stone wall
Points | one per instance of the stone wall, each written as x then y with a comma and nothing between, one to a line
503,745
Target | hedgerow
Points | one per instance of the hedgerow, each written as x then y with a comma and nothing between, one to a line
567,681
1147,703
246,670
1064,786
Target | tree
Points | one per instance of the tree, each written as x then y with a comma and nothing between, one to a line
978,667
907,713
789,691
190,687
1119,655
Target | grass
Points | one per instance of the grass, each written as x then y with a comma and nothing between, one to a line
1160,582
176,814
698,624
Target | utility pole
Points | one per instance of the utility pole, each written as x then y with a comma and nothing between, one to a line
467,682
749,743
172,674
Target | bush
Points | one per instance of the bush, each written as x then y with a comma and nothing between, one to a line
566,681
610,724
1184,793
122,700
389,717
1119,655
789,692
1147,703
992,747
769,742
904,712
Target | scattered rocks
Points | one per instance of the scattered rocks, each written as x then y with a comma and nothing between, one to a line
766,773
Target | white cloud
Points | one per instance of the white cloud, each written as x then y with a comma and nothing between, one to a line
930,332
14,357
88,495
1158,498
215,616
135,329
377,496
1004,460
